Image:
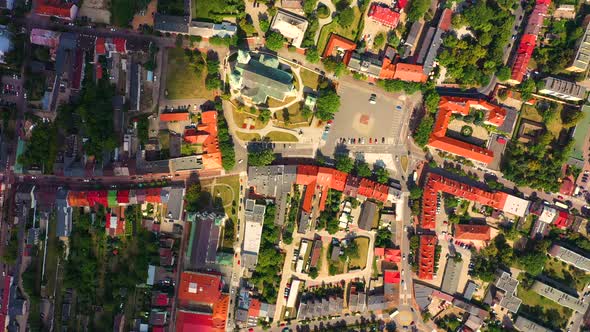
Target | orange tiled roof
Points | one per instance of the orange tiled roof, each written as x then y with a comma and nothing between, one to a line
426,257
336,43
387,70
409,72
178,116
463,106
199,288
306,174
473,232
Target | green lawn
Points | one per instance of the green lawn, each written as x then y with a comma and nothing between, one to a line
566,274
216,10
241,115
279,136
361,262
122,11
293,115
181,81
543,309
248,136
554,125
350,32
310,79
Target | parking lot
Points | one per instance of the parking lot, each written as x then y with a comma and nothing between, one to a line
360,123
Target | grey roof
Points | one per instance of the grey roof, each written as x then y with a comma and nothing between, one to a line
470,288
509,120
254,212
368,212
425,45
423,295
64,214
189,163
208,30
508,285
570,257
169,23
156,166
175,202
335,254
559,297
563,89
377,302
261,81
303,222
525,325
433,51
582,58
134,87
414,33
274,181
242,315
365,64
451,276
204,241
310,308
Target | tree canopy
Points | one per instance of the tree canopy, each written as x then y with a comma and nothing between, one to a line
345,17
261,158
328,103
275,41
344,163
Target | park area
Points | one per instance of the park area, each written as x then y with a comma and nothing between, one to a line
350,32
566,274
216,10
182,82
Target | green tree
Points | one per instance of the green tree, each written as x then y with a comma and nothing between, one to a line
212,82
261,158
422,133
344,163
313,272
346,17
415,192
247,27
417,9
309,6
323,11
275,41
312,55
379,41
503,74
362,169
382,175
264,115
264,25
328,103
333,66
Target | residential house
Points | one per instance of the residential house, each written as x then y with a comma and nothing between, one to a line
426,257
580,61
63,216
365,64
384,15
563,89
205,134
565,12
290,25
369,212
340,48
564,299
61,9
207,29
171,24
472,232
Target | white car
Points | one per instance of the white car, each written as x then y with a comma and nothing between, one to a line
240,161
373,99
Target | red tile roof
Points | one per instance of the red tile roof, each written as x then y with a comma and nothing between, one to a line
254,310
200,288
380,192
472,232
306,174
207,136
445,20
409,72
384,15
389,255
337,43
56,8
120,45
529,41
178,116
563,220
401,4
387,69
187,321
450,105
100,48
426,257
436,183
567,187
392,277
366,188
